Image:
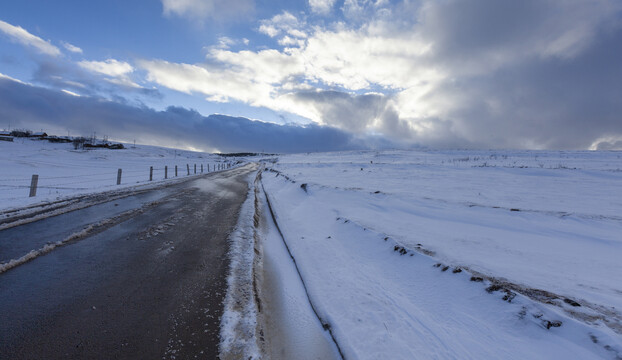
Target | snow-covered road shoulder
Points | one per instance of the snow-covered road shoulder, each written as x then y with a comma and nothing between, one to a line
238,331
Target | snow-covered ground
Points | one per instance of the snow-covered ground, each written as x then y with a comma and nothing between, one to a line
398,254
379,237
64,171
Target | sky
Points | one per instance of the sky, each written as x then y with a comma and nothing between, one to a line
316,75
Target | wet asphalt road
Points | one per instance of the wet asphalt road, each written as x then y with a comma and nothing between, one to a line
148,286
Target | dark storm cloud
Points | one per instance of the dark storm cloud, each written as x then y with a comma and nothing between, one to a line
346,111
34,107
549,103
62,74
543,74
357,113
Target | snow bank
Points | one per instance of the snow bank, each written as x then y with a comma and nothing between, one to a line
290,324
239,319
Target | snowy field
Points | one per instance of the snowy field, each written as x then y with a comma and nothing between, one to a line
398,254
64,171
458,254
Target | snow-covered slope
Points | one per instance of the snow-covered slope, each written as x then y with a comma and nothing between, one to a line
378,235
64,171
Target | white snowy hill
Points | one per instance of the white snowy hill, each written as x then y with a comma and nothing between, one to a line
64,171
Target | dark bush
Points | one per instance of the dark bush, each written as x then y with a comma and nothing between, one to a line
21,133
78,143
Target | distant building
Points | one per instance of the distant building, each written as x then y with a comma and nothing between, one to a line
5,133
39,135
59,139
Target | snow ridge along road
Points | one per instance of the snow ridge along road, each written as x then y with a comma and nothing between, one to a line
147,284
325,324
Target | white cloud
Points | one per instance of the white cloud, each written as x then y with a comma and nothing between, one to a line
440,65
72,48
7,77
321,6
203,9
110,67
70,93
258,86
124,82
269,30
20,35
289,41
284,23
116,72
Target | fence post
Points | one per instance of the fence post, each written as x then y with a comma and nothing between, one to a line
175,170
150,173
207,167
201,168
119,176
165,172
33,185
195,168
188,168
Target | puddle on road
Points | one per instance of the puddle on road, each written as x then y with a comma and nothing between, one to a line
222,187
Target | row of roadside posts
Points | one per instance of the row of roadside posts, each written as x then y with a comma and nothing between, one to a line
216,167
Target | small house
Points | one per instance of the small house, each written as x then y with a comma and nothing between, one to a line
39,135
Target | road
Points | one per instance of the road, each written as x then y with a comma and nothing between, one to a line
147,281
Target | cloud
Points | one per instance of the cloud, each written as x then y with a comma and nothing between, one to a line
258,86
321,6
20,35
6,77
117,71
55,111
84,77
283,24
188,78
70,92
528,74
204,9
608,145
110,67
72,48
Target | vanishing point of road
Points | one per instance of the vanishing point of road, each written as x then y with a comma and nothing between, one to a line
147,281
